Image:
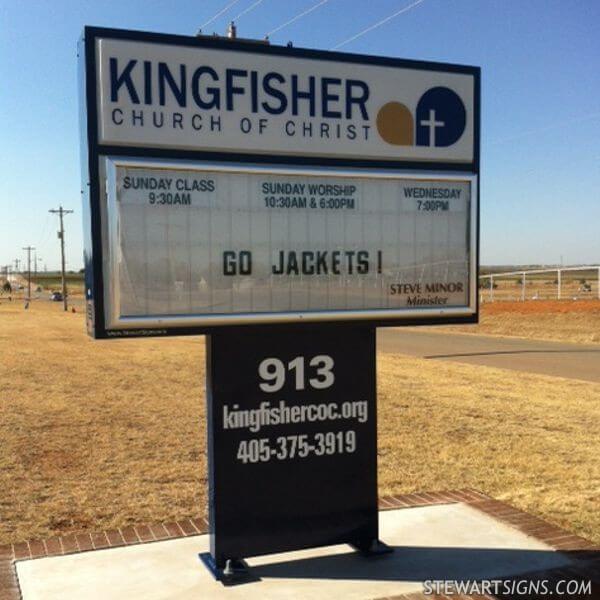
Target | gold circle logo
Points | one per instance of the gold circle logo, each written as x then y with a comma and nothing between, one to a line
395,124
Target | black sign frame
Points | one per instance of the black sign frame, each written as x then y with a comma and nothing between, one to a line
92,153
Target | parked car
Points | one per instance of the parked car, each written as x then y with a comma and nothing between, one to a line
56,297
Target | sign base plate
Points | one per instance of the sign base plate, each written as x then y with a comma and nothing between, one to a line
237,571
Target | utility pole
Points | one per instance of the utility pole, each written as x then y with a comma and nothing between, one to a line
35,264
60,211
36,259
29,249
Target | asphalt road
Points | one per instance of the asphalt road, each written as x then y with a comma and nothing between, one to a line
575,361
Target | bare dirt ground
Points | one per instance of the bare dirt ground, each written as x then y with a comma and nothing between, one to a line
98,434
556,320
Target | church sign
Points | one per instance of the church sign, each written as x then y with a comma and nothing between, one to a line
285,202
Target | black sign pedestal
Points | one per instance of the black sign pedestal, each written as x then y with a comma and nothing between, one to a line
292,442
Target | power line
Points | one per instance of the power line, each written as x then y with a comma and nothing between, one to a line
223,10
45,232
378,24
298,16
247,10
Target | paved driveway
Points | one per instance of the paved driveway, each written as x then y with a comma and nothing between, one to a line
575,361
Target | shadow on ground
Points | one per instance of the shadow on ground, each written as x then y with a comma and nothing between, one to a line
409,563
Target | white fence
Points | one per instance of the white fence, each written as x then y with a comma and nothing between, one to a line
573,283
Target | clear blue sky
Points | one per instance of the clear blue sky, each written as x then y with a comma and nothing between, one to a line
540,195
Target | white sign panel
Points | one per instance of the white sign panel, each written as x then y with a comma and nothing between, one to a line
201,244
199,98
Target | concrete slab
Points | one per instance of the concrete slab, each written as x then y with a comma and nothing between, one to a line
454,541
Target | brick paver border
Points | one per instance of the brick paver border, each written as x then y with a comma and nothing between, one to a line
586,556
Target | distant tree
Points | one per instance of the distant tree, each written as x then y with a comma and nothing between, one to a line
7,287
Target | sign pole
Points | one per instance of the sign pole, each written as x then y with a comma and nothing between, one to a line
292,443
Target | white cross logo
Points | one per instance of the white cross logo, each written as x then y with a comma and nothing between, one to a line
431,124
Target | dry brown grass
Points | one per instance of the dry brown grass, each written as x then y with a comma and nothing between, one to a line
530,439
97,434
